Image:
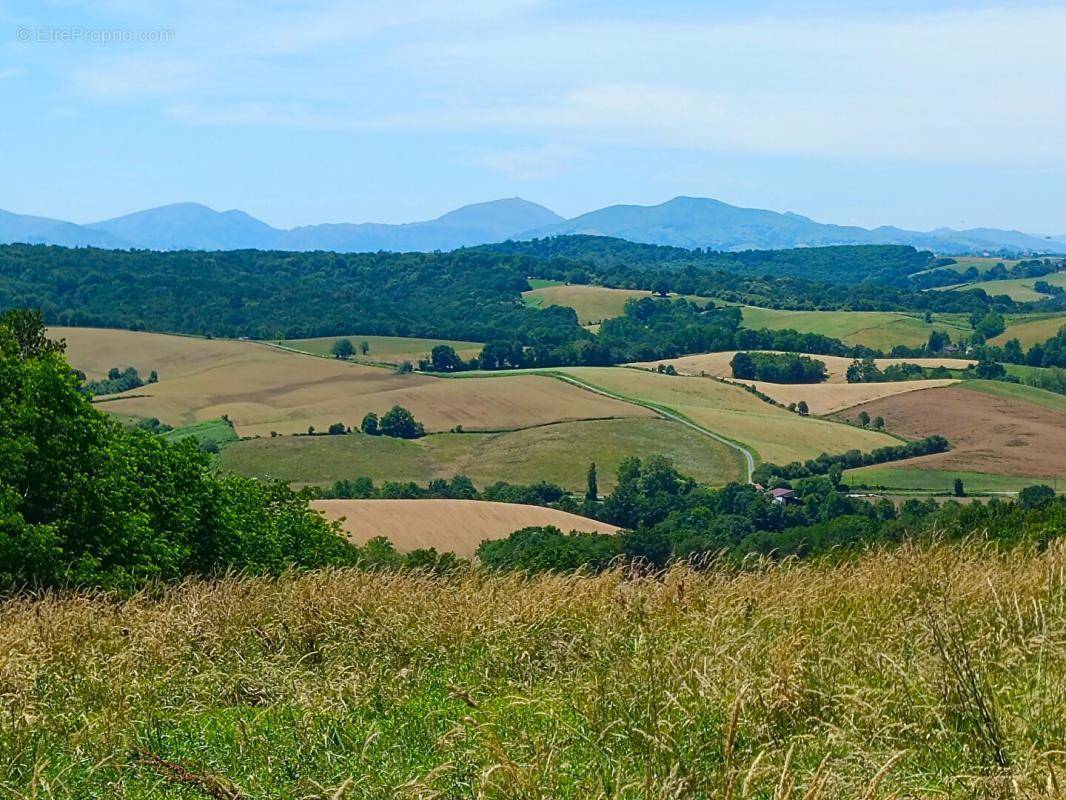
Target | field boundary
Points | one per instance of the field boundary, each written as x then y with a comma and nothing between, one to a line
667,413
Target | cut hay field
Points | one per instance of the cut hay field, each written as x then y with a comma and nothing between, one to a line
1031,329
96,350
830,398
384,349
453,526
776,435
593,304
717,364
877,329
992,431
263,389
558,453
864,680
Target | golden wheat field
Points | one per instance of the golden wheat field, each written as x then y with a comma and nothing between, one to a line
920,672
454,526
776,435
264,389
829,398
716,365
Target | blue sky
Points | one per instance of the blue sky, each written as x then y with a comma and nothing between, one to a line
918,114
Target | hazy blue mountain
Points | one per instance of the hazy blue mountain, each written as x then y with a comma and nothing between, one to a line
42,230
702,222
480,223
191,226
681,222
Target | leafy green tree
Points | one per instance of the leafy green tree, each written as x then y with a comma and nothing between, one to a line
86,502
959,490
743,366
803,408
400,423
369,424
443,358
364,347
592,491
1036,497
864,419
879,423
337,429
342,348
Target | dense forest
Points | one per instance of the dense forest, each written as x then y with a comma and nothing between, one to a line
847,264
274,295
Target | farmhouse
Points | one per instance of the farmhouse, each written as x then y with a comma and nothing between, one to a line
782,496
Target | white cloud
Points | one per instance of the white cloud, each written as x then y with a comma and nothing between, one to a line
961,86
531,163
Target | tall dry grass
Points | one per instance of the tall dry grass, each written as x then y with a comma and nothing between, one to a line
918,672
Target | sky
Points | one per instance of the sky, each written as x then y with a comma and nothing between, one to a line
916,114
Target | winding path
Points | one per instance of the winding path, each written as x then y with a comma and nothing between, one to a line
749,457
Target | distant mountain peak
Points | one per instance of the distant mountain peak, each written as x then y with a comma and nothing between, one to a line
682,221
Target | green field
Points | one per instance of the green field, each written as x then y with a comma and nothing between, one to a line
556,453
1030,329
983,264
935,481
593,304
383,349
879,329
1020,392
1020,289
212,430
774,434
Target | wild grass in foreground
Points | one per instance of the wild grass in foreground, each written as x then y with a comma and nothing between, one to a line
933,671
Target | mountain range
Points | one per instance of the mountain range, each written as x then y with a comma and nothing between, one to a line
681,222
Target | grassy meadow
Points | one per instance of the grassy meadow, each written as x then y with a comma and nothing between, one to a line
1020,289
878,329
593,304
558,453
1031,329
774,434
383,349
920,480
934,671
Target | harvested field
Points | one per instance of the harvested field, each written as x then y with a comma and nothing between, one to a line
96,350
593,304
775,434
878,329
263,389
988,433
455,526
829,398
717,364
558,453
384,349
